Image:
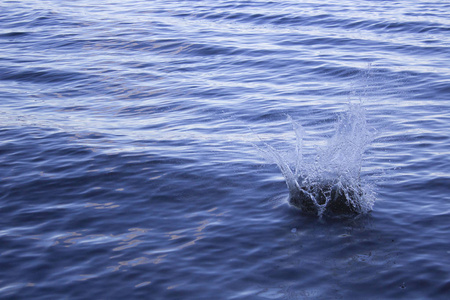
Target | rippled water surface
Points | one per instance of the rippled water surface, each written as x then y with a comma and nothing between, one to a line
130,148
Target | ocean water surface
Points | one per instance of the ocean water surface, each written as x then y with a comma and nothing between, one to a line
149,149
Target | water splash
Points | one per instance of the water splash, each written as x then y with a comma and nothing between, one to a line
330,181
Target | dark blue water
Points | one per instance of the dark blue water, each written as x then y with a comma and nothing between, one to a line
128,166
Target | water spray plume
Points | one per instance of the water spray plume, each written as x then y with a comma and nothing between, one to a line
330,182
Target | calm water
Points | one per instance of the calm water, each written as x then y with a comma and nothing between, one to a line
128,166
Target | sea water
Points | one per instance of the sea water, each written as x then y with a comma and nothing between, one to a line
127,161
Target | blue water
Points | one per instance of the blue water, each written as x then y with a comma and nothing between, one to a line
130,135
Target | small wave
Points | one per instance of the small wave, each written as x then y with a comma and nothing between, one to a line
39,75
13,34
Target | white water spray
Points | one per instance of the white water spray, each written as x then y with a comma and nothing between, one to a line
331,181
